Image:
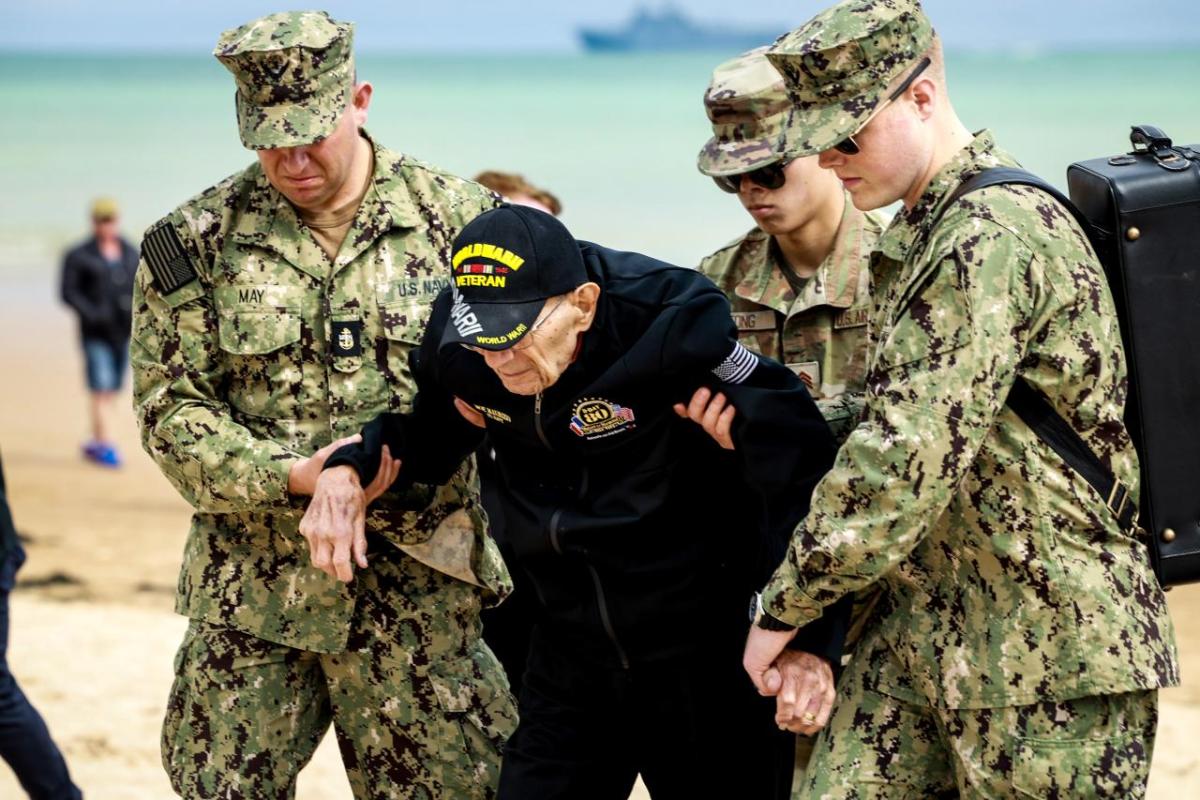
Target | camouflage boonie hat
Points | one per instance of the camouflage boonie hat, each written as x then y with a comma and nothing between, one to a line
748,107
295,74
837,66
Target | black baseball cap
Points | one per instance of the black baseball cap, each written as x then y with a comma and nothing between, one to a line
505,263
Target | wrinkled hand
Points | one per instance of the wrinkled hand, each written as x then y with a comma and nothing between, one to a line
469,413
806,692
302,477
713,414
334,524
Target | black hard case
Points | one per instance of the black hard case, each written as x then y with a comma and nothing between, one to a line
1145,211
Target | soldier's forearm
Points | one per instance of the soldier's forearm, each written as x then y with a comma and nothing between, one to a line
218,466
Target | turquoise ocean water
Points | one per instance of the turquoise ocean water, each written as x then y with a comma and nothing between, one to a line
614,136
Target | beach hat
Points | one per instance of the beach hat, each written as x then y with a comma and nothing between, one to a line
838,65
748,107
506,263
105,208
295,75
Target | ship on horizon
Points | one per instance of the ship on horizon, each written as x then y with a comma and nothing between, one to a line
671,30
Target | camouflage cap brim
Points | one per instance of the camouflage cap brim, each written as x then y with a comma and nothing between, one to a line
816,130
289,125
724,157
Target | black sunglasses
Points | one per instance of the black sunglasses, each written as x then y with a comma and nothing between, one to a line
850,147
769,177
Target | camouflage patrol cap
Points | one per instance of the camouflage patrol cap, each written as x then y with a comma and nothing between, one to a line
748,107
837,66
295,75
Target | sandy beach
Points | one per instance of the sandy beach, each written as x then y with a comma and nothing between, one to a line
93,632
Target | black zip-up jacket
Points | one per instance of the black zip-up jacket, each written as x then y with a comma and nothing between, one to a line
101,295
643,538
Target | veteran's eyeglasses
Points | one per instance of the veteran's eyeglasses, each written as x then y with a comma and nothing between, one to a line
848,146
771,176
525,341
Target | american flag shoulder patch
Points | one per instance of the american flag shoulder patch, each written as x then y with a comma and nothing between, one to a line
737,366
166,258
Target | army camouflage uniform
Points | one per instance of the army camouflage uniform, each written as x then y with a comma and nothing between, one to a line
1021,636
819,332
251,349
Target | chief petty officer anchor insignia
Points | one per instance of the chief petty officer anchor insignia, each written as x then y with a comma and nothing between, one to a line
347,338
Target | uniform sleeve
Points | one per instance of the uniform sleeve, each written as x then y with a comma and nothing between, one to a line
433,439
186,425
943,373
842,413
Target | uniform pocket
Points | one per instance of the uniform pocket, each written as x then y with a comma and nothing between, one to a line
474,691
932,322
1080,768
473,694
259,330
405,320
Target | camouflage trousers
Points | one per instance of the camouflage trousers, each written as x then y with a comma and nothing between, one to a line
879,746
419,704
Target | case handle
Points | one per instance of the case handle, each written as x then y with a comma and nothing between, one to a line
1149,139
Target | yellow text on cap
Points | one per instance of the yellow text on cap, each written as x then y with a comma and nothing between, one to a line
481,250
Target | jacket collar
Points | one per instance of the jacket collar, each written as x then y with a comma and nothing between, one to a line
912,226
269,221
834,283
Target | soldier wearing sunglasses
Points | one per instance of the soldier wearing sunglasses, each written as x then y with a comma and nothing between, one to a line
1020,638
798,282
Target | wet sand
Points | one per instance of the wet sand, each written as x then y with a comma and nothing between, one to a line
93,634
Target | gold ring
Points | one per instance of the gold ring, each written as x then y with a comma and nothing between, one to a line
809,718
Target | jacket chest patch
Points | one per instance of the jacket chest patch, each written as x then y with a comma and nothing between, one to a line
809,373
596,418
851,318
492,414
347,338
747,321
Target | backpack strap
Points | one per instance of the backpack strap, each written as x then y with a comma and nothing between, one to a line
1027,402
1035,411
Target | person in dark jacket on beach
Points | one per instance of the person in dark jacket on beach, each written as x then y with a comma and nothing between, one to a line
641,536
97,282
25,742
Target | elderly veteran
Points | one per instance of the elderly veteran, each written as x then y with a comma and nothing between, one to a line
641,537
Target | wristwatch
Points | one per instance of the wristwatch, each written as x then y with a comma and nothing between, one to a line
764,620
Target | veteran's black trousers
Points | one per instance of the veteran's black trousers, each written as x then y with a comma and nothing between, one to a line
693,727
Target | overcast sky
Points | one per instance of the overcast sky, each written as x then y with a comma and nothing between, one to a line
540,25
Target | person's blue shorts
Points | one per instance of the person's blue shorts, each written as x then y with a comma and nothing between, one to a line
105,364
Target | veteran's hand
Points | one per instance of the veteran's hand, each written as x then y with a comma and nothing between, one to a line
713,414
335,523
302,477
806,693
